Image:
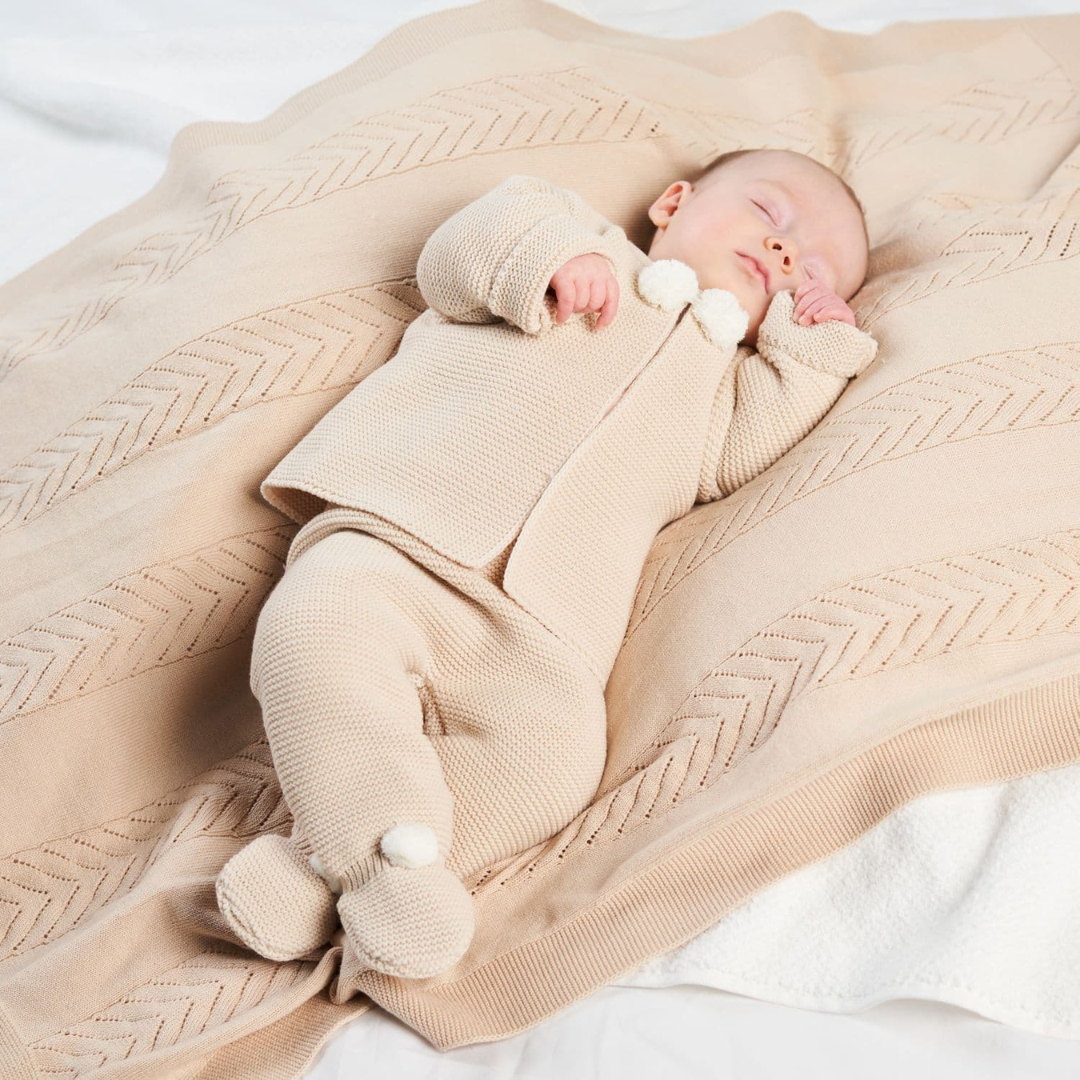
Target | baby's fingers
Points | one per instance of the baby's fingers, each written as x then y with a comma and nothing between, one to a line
566,294
807,286
610,305
804,297
838,311
812,308
596,295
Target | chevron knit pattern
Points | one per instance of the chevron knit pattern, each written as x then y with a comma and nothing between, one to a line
849,579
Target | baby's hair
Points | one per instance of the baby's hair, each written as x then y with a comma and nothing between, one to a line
731,155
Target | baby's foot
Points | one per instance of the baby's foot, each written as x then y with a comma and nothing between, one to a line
413,922
274,901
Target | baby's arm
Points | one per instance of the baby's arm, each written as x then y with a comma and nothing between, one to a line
494,258
780,393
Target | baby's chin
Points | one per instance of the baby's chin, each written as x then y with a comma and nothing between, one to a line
756,308
751,298
757,317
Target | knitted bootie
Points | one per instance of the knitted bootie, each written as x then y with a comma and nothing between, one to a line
412,918
274,901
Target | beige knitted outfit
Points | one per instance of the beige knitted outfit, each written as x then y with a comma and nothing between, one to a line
476,513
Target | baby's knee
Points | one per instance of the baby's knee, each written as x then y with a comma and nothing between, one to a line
569,760
329,609
584,765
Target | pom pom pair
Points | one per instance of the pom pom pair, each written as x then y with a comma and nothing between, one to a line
669,283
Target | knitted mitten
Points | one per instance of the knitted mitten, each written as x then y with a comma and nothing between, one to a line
274,901
411,917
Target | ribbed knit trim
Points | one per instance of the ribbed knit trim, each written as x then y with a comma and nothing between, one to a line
692,886
285,1051
363,871
14,1062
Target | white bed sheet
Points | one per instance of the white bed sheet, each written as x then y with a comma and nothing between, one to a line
90,99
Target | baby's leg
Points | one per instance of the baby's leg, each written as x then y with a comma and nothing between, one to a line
334,666
406,690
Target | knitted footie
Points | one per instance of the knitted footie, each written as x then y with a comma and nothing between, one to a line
412,922
274,901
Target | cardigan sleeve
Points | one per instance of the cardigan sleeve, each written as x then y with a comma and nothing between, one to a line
779,394
495,257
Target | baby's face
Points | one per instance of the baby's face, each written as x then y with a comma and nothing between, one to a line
778,208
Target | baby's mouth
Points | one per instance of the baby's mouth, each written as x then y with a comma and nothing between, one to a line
759,271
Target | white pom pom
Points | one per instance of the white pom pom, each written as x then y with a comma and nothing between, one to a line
410,845
721,317
667,284
330,879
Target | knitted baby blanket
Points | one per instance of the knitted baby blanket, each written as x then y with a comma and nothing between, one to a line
891,609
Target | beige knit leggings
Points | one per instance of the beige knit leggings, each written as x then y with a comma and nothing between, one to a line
399,686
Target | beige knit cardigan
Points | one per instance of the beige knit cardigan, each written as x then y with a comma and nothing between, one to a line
891,608
495,425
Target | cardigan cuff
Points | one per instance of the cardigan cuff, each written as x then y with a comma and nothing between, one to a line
520,286
832,346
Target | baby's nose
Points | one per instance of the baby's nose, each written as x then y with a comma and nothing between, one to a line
787,249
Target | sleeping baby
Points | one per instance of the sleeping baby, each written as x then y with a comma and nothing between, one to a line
474,519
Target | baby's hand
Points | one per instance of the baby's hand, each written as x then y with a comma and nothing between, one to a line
586,283
814,303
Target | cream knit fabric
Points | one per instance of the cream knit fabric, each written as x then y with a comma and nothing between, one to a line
343,670
400,690
889,609
576,444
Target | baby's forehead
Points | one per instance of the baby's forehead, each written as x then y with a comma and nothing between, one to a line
798,177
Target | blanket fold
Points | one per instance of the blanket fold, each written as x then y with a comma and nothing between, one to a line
890,609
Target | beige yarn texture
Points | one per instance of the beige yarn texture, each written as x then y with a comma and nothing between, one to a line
888,609
344,664
573,444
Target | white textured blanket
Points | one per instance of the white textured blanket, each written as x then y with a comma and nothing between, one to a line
968,897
